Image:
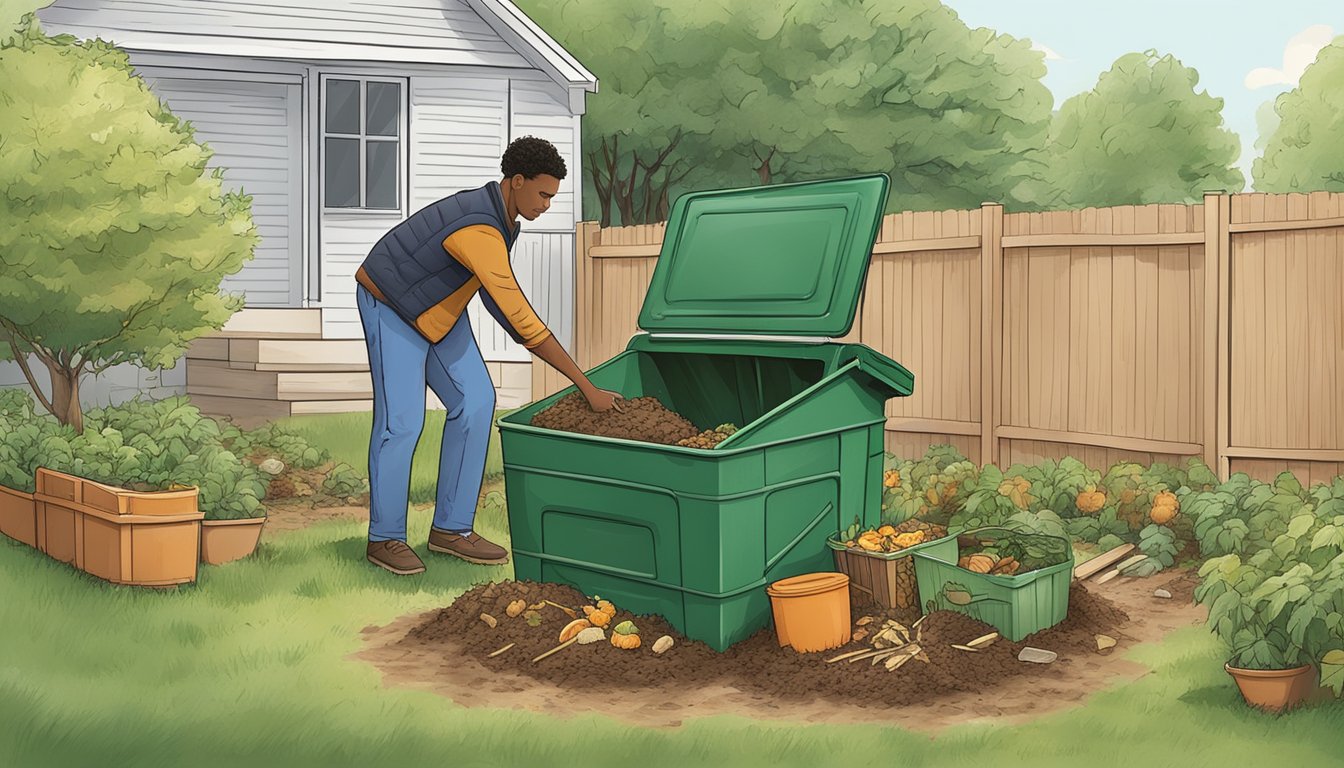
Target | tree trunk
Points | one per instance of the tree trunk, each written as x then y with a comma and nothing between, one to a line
763,170
65,394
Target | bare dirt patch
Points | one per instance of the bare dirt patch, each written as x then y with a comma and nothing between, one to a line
447,651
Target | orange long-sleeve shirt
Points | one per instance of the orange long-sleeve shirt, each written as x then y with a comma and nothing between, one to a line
481,249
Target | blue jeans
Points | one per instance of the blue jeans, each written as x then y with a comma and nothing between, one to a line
402,363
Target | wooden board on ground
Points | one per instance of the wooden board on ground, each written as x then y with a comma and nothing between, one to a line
1099,563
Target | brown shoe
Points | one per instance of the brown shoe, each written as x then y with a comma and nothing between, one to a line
471,547
396,557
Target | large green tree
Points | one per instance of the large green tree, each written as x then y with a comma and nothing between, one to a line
1305,152
113,236
704,93
1142,135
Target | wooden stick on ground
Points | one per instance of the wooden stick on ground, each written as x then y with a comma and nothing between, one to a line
570,612
867,654
844,656
1098,564
889,652
501,650
557,648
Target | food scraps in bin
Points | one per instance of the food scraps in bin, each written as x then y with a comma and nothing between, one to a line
710,438
1011,553
889,538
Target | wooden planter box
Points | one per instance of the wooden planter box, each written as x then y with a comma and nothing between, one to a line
886,579
18,516
125,537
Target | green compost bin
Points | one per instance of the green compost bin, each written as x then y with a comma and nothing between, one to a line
750,288
1016,606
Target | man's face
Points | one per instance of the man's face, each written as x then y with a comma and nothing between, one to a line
533,196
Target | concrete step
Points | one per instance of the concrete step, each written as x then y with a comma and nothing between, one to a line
218,379
284,354
249,412
278,323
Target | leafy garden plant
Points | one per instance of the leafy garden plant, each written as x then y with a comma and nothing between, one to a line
157,445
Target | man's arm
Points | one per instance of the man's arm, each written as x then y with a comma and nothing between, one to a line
482,250
555,356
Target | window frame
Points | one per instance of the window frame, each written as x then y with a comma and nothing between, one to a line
402,138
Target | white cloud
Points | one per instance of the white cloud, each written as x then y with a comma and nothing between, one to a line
1050,55
1297,56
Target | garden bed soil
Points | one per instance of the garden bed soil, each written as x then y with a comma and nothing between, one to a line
447,651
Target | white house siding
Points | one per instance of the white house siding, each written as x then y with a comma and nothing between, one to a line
256,132
438,31
346,240
541,109
459,128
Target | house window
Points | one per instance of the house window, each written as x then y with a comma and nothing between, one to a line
362,143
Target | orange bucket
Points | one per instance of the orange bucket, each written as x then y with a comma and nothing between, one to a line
811,611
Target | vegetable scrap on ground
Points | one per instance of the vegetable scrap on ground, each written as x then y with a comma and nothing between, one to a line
531,618
642,418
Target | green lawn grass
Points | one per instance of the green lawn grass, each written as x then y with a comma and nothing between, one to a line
346,437
248,667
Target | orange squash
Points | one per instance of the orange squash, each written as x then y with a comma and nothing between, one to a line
1165,508
1090,502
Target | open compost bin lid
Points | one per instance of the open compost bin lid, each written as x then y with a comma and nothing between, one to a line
782,260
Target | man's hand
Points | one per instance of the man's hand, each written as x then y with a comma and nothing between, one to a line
602,400
599,400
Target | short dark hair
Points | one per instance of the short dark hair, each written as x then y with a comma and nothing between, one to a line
532,157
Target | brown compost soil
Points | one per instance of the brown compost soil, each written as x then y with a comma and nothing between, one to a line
756,665
641,418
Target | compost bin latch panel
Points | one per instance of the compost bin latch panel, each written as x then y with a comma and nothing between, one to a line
899,380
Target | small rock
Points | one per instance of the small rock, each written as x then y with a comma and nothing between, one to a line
302,489
663,643
1037,655
866,620
859,635
272,466
1105,643
516,608
352,500
591,635
1162,593
490,620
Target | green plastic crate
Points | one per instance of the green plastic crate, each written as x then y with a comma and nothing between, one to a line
1016,606
751,286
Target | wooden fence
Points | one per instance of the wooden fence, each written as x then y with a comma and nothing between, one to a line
1145,333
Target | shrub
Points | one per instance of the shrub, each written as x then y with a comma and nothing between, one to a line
156,444
344,480
97,170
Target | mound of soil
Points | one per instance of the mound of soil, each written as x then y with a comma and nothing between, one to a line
643,418
757,664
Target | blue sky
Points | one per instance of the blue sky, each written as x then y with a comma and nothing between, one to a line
1224,41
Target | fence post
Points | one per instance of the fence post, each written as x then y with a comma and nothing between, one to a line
583,292
1212,389
1220,281
991,329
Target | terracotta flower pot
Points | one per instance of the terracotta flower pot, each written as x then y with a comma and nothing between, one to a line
122,536
18,516
1274,690
223,541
